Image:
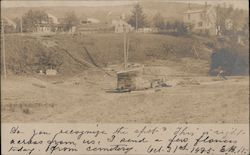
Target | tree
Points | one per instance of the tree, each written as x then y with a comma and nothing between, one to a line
230,13
138,18
180,28
158,21
48,58
32,18
168,26
70,20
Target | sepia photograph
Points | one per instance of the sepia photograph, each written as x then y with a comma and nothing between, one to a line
125,61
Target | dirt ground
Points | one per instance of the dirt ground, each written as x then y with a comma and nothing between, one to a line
83,99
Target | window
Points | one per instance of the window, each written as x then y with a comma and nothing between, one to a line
188,16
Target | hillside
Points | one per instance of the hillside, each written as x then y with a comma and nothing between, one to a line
78,93
29,53
72,54
167,9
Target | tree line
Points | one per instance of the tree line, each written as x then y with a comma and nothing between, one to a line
33,18
138,19
238,17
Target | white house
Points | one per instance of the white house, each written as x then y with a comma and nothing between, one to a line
228,24
147,30
122,26
202,20
53,19
43,28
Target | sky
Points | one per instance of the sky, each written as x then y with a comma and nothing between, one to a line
242,4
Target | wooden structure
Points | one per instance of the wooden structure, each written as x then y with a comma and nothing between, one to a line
128,79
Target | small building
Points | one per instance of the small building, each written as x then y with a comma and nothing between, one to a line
122,26
202,20
132,80
51,72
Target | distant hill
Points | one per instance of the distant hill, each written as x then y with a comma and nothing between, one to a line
169,10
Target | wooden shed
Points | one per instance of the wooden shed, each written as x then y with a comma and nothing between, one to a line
131,80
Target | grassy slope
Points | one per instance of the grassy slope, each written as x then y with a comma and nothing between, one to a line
105,49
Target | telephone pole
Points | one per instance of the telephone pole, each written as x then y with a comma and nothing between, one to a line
3,49
136,21
21,25
125,50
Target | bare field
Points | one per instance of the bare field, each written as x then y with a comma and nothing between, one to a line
82,99
78,92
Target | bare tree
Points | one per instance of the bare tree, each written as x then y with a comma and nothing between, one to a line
158,21
70,20
138,18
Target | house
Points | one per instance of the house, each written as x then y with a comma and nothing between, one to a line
93,28
53,19
9,25
48,26
122,26
53,24
228,24
9,22
147,30
202,20
43,28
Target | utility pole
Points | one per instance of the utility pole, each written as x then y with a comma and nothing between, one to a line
125,51
3,49
136,21
21,25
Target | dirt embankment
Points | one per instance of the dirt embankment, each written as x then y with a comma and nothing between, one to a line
74,53
71,54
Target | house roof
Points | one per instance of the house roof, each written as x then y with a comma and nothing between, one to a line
194,11
54,18
119,22
9,21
